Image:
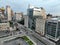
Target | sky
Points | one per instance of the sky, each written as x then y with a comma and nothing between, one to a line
51,6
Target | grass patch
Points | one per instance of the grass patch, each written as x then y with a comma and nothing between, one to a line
30,43
27,40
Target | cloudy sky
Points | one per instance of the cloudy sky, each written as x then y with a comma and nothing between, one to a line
51,6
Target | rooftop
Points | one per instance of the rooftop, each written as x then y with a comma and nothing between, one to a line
54,19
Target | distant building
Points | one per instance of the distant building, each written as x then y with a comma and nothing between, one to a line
4,26
2,10
3,17
49,16
12,14
8,12
40,25
53,29
32,12
18,16
26,20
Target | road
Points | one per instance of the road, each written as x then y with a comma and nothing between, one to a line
16,42
25,31
43,40
30,33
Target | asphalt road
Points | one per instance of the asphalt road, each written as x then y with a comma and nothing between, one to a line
30,33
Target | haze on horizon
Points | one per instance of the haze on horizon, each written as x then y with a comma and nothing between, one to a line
51,6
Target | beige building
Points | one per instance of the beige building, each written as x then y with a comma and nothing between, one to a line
37,11
4,26
18,16
40,25
8,12
26,20
2,10
33,12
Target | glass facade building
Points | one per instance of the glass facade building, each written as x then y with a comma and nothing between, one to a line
53,28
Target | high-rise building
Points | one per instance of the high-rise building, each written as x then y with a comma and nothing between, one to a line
36,11
40,25
26,20
2,15
32,13
2,10
8,12
53,29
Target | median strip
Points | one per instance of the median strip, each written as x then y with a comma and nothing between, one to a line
27,40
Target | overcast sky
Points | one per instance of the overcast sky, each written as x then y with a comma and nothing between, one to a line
51,6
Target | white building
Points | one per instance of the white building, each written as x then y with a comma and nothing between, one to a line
32,12
53,29
18,16
26,20
40,25
4,26
8,12
36,11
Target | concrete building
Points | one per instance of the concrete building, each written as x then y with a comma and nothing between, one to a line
2,10
26,20
2,13
12,14
3,17
36,11
8,12
53,29
18,16
4,26
32,13
40,25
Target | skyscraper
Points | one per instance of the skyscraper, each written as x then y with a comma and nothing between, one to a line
33,12
26,20
40,25
2,14
36,11
8,12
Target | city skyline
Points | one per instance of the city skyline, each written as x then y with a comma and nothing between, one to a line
51,6
29,22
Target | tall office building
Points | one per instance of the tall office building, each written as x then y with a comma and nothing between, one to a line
2,10
32,13
40,25
26,20
2,15
36,11
8,12
53,29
